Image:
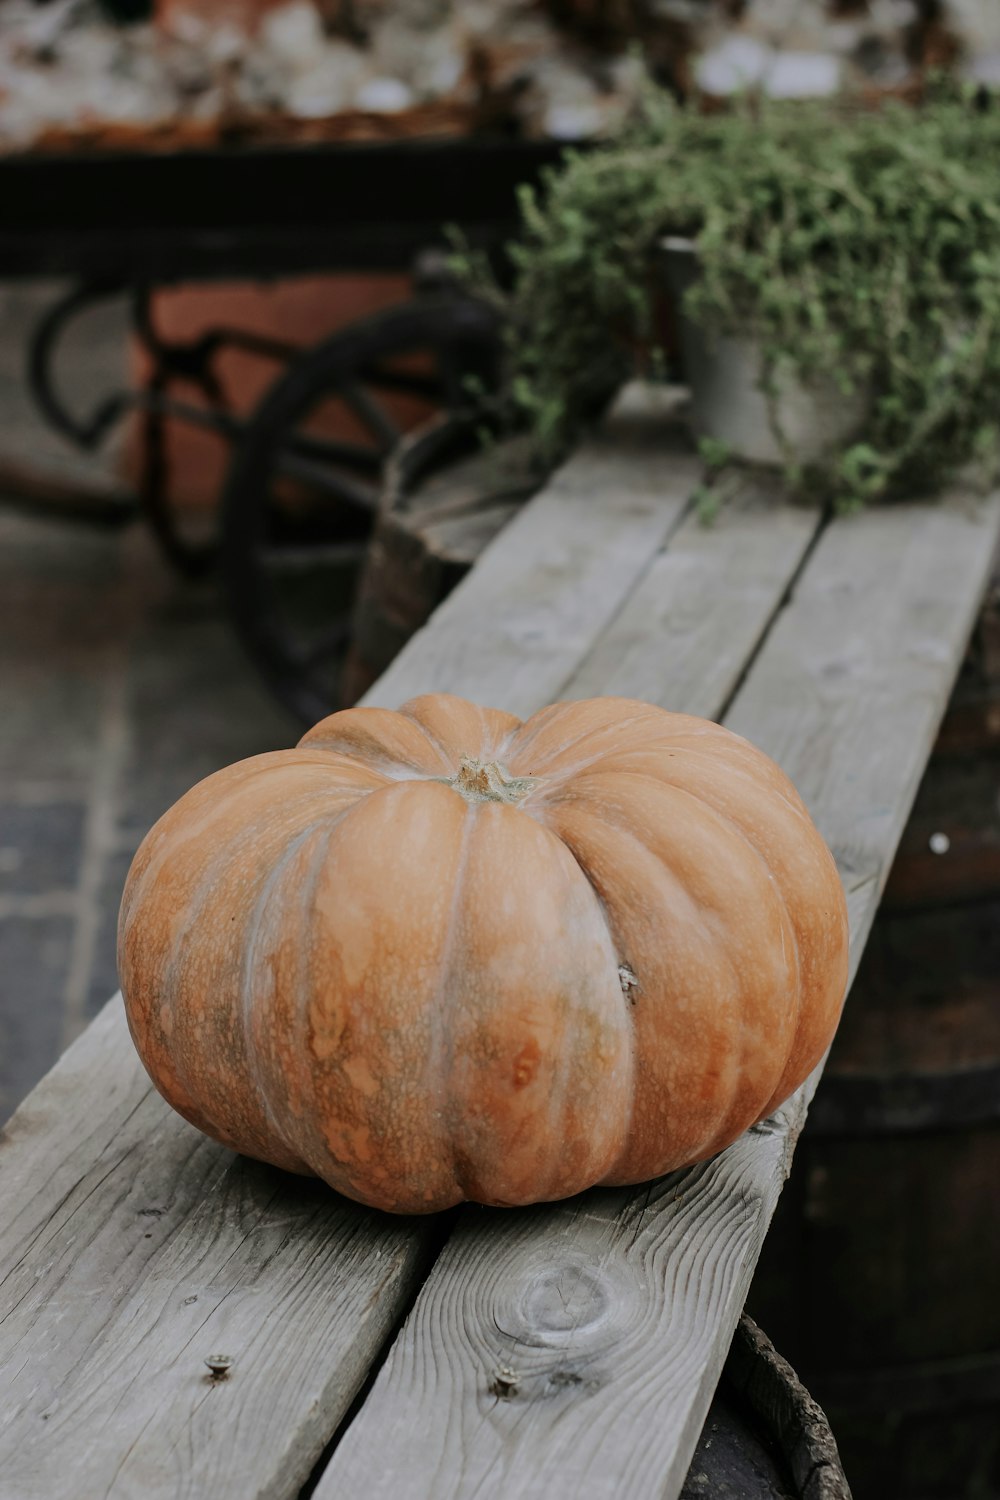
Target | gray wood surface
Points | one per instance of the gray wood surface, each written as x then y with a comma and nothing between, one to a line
132,1249
569,1350
573,1350
855,677
690,625
513,633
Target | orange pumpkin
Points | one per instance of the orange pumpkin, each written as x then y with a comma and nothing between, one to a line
440,954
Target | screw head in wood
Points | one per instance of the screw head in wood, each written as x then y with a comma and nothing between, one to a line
220,1365
505,1382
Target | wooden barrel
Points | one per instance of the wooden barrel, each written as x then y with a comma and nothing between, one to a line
449,490
881,1273
765,1438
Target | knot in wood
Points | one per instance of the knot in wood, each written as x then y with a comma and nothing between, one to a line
564,1300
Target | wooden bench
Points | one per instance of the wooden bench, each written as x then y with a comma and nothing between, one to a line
569,1350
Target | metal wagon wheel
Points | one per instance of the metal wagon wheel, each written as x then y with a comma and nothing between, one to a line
299,504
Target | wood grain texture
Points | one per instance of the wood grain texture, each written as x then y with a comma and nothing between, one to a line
513,633
855,677
613,1312
688,629
589,1311
131,1249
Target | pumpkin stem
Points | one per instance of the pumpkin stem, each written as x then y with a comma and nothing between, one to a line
488,781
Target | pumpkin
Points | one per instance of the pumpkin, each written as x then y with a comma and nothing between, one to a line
440,954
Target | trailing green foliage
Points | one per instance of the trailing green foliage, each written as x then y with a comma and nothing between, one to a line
861,244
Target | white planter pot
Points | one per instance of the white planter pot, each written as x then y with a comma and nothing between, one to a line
724,373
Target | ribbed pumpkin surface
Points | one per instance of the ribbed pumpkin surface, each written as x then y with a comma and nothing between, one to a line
440,954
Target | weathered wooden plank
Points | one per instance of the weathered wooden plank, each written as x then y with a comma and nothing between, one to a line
292,1269
591,1307
573,1350
690,626
513,633
853,683
131,1249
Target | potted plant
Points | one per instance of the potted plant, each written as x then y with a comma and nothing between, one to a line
835,275
745,408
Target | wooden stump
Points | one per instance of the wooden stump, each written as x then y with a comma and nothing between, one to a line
447,496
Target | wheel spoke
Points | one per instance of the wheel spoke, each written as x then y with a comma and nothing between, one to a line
372,414
328,481
307,559
333,451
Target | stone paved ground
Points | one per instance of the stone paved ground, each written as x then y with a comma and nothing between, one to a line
120,686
